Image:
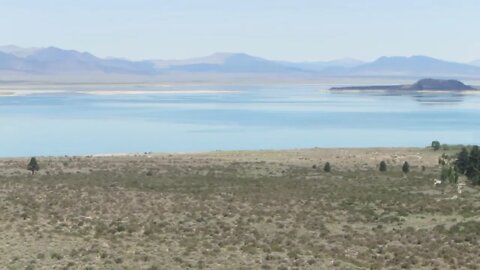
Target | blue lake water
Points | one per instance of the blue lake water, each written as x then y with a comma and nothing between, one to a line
248,117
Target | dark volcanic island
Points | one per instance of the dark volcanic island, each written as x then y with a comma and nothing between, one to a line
424,84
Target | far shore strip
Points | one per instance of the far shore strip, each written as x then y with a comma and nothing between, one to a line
115,92
10,93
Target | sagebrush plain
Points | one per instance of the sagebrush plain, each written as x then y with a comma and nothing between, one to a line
237,210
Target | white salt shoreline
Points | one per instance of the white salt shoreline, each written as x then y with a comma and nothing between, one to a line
28,92
166,92
113,92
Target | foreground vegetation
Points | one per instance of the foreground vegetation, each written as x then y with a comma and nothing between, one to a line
238,210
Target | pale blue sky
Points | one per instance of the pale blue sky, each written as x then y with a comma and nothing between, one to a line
276,29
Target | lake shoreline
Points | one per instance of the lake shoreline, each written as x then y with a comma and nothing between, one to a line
226,152
350,158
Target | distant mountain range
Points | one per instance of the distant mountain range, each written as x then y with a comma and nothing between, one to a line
26,63
57,61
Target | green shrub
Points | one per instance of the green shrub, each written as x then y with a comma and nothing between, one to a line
468,227
56,256
449,174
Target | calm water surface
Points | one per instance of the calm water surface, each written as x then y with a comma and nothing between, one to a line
248,117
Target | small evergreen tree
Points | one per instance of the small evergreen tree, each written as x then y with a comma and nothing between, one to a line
468,164
463,161
406,168
33,165
383,166
475,179
473,162
436,145
327,167
473,171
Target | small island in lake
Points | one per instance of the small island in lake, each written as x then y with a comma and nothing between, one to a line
423,84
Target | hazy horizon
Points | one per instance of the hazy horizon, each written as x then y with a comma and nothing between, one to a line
283,30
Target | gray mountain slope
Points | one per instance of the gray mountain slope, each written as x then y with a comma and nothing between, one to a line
415,65
55,61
